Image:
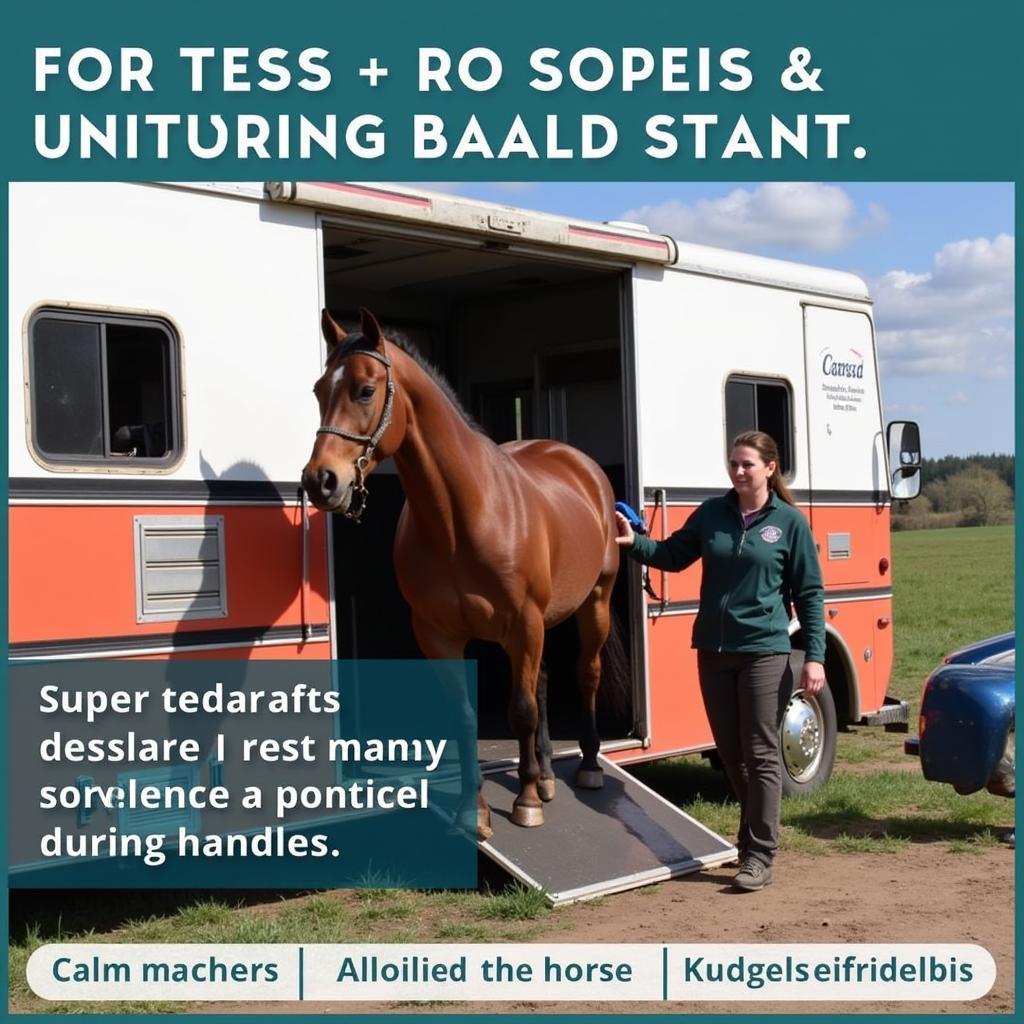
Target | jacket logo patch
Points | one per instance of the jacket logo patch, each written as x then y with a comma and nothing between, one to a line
770,534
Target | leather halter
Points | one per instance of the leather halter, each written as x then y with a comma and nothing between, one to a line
360,494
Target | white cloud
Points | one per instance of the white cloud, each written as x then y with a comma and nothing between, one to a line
958,398
995,372
968,280
955,319
960,348
804,214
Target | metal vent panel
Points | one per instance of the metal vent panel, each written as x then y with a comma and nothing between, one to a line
839,548
163,820
179,568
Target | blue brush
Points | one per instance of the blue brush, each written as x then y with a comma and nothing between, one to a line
635,521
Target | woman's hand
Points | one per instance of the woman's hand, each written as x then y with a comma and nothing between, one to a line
625,535
812,678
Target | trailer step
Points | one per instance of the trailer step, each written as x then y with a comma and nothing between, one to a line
894,715
596,842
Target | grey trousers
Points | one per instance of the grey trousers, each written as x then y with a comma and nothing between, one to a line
745,696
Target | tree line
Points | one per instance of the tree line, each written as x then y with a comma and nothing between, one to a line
976,490
950,465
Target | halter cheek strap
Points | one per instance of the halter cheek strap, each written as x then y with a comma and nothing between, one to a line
370,441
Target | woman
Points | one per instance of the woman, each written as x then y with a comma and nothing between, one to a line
758,556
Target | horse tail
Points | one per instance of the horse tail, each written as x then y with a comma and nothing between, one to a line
615,694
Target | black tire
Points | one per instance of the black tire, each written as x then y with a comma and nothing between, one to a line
807,740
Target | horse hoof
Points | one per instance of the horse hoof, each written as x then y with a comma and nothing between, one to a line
483,825
527,817
546,789
590,778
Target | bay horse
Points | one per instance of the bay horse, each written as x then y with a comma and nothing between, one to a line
495,542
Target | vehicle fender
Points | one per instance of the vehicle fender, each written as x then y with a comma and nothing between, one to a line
966,714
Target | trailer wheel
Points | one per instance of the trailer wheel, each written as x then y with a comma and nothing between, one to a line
807,741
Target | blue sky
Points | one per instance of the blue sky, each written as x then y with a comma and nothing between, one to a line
937,256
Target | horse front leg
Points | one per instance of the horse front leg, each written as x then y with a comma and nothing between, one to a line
440,646
524,650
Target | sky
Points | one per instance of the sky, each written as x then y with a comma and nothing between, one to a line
937,258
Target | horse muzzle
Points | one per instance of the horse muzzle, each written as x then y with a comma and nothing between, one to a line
326,490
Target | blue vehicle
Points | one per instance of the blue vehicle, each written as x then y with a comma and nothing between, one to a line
966,731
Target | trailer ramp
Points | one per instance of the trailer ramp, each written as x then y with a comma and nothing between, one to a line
595,842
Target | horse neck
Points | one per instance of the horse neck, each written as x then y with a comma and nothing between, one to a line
443,462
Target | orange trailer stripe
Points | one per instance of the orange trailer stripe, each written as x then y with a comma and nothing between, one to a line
72,571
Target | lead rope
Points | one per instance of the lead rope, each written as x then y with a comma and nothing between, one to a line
645,575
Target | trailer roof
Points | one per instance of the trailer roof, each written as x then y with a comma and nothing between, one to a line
611,238
518,225
705,259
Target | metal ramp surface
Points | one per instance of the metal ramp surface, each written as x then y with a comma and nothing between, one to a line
595,842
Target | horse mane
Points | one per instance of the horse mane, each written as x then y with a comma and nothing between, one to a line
356,341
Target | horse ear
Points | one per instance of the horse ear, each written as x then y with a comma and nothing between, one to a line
371,328
332,331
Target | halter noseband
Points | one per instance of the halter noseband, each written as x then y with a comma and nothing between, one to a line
360,494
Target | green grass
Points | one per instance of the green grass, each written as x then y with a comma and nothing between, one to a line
517,903
951,587
883,843
986,840
862,812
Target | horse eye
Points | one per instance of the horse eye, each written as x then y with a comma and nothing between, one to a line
366,392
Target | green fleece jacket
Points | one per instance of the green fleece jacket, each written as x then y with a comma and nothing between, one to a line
750,578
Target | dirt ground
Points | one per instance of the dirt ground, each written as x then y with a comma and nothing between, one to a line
925,893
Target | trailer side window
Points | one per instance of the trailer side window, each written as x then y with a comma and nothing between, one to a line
104,389
753,403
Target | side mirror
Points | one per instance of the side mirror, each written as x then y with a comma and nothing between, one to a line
903,441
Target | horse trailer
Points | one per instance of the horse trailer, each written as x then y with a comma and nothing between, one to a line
164,338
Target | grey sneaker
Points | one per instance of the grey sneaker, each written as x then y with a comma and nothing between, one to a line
753,875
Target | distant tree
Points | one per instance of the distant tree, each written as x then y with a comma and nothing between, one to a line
936,494
912,515
980,495
949,465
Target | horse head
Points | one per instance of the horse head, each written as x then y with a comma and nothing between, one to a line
360,422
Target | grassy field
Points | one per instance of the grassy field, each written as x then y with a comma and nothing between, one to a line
951,587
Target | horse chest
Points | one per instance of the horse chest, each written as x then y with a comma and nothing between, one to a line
460,594
429,579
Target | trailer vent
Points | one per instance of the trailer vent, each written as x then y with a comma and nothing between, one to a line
179,568
838,547
160,820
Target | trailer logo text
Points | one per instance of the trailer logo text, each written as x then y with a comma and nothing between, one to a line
832,367
842,384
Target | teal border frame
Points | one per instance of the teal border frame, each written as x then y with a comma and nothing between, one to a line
938,83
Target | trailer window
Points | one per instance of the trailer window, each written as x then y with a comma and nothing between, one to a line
103,389
758,404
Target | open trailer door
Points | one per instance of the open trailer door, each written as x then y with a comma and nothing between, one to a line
596,842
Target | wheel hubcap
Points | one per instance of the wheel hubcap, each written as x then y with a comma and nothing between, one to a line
802,737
